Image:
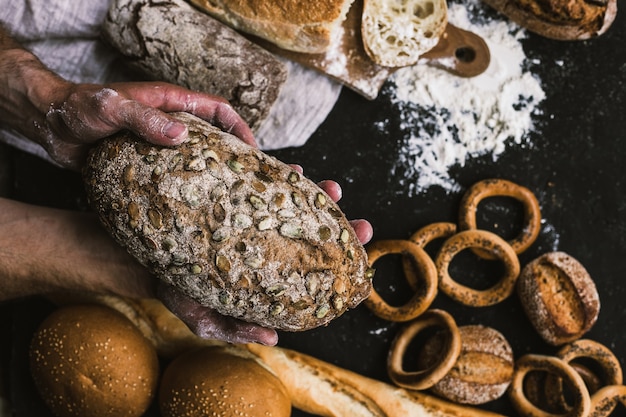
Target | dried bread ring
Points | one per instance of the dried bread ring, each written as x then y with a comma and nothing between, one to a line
589,349
423,237
487,241
498,187
553,365
421,300
426,378
606,398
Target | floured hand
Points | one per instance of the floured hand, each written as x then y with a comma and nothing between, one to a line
88,113
65,117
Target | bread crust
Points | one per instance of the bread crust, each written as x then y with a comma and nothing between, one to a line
559,297
286,23
560,20
226,381
172,41
230,226
483,370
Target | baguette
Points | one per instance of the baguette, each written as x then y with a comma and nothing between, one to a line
171,41
397,32
230,226
560,19
289,24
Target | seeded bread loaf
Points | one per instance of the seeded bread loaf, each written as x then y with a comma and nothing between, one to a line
172,41
230,226
290,24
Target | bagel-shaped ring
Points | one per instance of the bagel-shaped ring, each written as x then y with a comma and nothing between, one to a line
553,365
604,400
499,187
421,300
423,237
487,241
426,378
589,349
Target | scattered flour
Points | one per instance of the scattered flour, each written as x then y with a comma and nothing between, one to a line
447,120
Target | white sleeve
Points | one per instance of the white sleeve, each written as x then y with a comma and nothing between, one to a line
32,20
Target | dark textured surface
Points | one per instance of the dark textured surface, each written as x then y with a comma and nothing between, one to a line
576,169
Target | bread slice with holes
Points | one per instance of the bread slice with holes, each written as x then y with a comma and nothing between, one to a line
233,228
397,32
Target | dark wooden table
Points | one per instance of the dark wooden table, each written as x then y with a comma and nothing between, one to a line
576,168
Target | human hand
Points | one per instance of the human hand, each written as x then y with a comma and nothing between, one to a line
84,113
207,323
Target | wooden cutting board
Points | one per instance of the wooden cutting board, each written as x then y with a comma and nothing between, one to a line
346,60
460,52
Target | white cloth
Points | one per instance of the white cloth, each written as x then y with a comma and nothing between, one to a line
65,36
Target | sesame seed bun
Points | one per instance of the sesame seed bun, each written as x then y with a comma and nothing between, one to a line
223,381
89,360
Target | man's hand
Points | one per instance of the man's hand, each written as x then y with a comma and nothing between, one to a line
65,118
86,113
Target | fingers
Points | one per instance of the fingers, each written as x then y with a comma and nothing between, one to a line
171,98
364,230
332,189
213,325
209,324
152,124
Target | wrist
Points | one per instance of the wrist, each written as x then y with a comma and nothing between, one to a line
28,89
44,250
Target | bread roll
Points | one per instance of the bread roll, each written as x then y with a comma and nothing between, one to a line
171,41
290,24
483,370
89,360
560,20
232,227
221,381
314,386
559,297
396,32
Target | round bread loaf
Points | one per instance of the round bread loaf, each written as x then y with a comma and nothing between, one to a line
219,381
483,370
89,360
233,228
559,297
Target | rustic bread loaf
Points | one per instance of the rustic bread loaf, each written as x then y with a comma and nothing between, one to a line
290,24
396,32
230,226
559,19
172,41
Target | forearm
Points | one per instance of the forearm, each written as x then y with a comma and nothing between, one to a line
45,250
27,89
